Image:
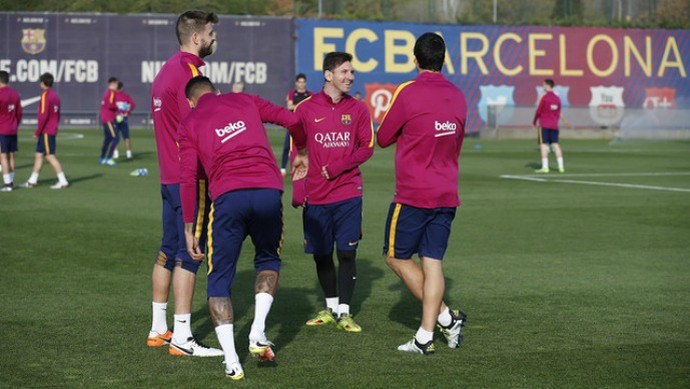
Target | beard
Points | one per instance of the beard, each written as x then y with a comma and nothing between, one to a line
207,50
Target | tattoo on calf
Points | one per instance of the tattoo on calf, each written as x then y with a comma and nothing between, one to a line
266,282
221,310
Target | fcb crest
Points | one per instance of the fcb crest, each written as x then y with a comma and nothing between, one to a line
33,40
606,106
560,91
500,99
346,119
378,99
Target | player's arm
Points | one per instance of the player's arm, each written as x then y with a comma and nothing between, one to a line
110,101
288,101
393,120
537,113
364,147
131,103
43,114
188,194
271,113
18,111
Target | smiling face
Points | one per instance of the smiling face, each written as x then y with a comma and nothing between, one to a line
341,78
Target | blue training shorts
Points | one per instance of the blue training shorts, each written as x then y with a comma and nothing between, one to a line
8,143
548,136
123,128
411,230
173,246
46,144
338,224
234,215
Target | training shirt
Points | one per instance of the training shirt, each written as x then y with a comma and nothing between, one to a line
427,119
48,113
125,103
108,107
226,134
298,97
10,111
548,112
169,106
339,136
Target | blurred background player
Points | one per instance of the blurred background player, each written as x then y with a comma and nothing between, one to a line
427,120
238,87
547,116
169,106
340,137
108,114
10,117
294,97
48,120
246,185
125,105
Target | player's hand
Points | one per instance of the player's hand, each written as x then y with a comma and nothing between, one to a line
300,165
192,243
324,172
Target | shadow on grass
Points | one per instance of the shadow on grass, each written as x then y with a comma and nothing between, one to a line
533,165
73,180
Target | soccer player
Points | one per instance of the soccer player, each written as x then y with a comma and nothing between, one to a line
427,120
340,137
238,87
108,113
10,117
48,120
169,106
125,105
294,97
226,134
547,115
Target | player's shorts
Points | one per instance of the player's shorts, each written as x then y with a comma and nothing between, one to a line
234,215
8,143
338,224
548,136
110,129
411,230
173,245
123,128
46,144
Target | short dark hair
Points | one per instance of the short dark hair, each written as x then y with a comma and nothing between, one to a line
334,59
47,79
198,85
4,77
299,76
549,82
112,79
120,84
193,21
430,51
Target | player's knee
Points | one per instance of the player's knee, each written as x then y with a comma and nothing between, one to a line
346,256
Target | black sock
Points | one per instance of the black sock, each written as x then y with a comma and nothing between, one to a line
325,269
347,275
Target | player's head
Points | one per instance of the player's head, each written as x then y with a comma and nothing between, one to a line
301,82
46,80
195,32
338,71
430,52
197,87
358,95
4,77
548,84
112,83
120,85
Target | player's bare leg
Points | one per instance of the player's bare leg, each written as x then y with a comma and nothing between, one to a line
264,288
62,180
559,156
432,296
160,281
223,319
33,179
7,164
128,148
412,276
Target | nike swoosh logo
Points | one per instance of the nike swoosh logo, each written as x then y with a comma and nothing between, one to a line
182,321
30,101
317,120
184,350
352,243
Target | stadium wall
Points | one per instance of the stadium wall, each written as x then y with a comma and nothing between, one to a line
601,72
84,50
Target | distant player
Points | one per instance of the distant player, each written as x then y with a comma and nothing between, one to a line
547,116
427,120
238,87
340,137
46,147
108,114
294,97
10,118
125,105
226,134
169,106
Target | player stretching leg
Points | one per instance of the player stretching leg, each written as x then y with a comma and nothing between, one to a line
427,120
246,188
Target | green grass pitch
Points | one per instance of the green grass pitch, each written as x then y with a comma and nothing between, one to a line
581,280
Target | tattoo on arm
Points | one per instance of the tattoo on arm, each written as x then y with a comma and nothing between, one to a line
221,310
266,282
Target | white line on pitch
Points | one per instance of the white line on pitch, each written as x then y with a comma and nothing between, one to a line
650,174
597,183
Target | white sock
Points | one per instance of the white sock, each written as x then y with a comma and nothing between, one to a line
183,328
33,178
116,154
7,178
129,153
12,177
423,336
444,317
61,178
159,322
343,309
332,303
544,163
226,338
262,306
560,162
